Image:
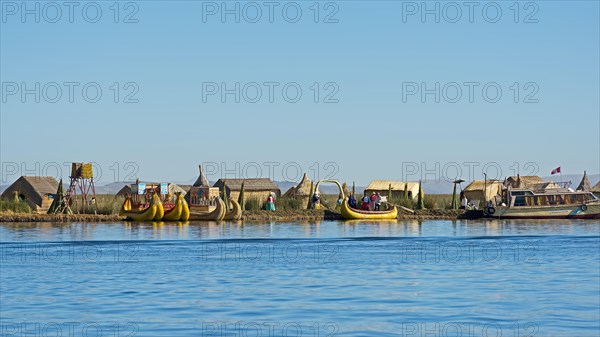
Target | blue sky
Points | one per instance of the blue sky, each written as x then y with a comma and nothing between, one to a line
369,61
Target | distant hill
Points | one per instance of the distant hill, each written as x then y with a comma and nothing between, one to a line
324,188
112,188
575,179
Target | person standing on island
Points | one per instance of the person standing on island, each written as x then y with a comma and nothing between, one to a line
378,201
316,201
270,203
463,201
339,202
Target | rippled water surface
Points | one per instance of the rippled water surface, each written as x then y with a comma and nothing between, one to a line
432,278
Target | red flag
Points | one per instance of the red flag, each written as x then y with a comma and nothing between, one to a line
556,170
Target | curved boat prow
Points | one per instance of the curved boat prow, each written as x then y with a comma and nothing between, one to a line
160,211
174,214
215,215
235,213
147,214
355,214
185,210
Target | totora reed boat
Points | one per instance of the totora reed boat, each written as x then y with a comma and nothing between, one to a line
179,212
217,214
149,213
154,202
235,211
350,213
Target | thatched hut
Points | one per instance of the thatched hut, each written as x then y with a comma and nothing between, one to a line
383,187
519,181
544,186
254,188
479,191
596,189
34,190
201,181
300,191
585,184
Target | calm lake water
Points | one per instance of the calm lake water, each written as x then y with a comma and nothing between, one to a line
432,278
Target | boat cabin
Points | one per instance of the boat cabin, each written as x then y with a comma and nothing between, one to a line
203,198
142,192
519,197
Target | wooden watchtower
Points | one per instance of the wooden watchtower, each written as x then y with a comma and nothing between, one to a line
81,189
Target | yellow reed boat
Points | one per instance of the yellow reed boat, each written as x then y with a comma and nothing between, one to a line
185,211
349,213
179,212
215,215
160,211
148,214
235,211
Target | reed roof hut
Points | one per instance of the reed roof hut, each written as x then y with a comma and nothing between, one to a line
544,186
596,189
383,187
519,181
302,191
201,181
254,188
34,190
585,184
482,190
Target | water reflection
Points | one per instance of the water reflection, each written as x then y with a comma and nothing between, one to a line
47,231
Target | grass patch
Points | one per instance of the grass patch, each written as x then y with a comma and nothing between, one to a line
253,204
108,204
15,206
431,201
105,204
285,204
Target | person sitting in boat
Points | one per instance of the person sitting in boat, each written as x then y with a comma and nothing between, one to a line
377,201
372,201
270,203
352,201
339,202
365,202
316,201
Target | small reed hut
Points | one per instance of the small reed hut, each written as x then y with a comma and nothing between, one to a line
254,188
36,191
300,191
519,181
479,191
383,187
596,189
585,184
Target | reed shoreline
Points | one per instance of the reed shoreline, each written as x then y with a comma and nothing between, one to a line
250,216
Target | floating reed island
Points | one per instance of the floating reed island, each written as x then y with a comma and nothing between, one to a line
36,199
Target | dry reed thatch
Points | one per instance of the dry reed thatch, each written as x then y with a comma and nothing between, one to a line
302,189
519,181
585,184
201,181
34,189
